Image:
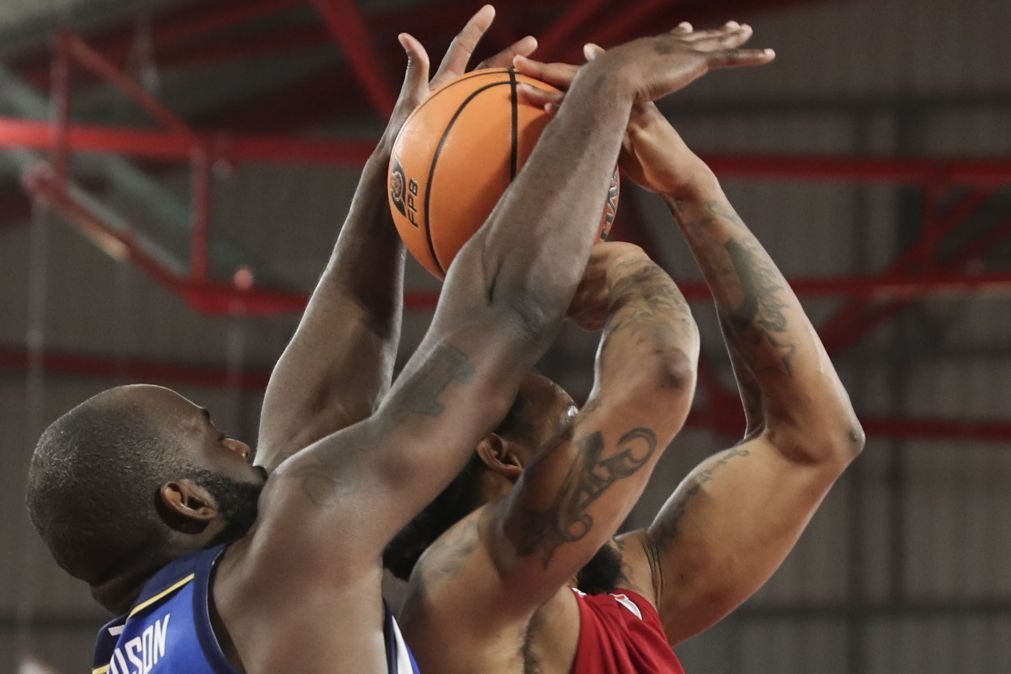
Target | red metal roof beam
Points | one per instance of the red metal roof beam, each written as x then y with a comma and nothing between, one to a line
345,21
168,145
91,60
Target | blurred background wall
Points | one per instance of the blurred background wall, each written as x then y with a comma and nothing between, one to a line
873,159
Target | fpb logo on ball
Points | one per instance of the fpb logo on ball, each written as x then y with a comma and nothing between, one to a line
403,199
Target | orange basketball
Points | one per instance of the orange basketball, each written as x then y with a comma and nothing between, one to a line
456,155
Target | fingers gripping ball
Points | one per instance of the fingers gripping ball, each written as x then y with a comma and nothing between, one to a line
456,155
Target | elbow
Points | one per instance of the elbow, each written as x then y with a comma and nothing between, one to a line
847,438
855,439
677,360
668,381
675,373
834,445
844,444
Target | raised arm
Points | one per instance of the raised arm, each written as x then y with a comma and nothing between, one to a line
328,511
504,297
339,364
734,519
575,494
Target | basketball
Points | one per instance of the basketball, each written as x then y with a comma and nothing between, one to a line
456,155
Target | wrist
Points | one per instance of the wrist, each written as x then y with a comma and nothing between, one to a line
384,149
694,183
607,74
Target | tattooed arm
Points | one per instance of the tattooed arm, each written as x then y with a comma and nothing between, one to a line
577,490
734,519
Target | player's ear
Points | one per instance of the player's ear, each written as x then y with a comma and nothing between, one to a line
500,456
186,506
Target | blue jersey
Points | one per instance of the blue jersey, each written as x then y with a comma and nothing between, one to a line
169,630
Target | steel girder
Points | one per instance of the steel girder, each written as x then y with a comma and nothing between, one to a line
184,43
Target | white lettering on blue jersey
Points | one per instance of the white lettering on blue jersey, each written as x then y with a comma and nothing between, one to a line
142,652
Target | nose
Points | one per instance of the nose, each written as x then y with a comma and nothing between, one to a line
237,446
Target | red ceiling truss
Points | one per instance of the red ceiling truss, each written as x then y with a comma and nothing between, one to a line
203,33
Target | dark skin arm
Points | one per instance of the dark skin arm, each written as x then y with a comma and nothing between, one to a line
339,364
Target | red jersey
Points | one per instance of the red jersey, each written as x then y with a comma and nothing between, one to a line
621,633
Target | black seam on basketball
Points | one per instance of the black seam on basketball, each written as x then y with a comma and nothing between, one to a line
514,143
460,80
435,160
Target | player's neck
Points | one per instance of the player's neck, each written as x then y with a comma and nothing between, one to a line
120,592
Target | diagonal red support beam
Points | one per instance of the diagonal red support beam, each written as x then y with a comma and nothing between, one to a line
87,57
845,328
202,294
967,259
345,21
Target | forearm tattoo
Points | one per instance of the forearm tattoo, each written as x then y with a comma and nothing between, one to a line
566,520
758,327
327,474
648,294
446,365
760,322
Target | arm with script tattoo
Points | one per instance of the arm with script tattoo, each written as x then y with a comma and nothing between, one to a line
578,489
733,520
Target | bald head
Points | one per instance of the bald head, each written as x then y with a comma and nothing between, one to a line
93,480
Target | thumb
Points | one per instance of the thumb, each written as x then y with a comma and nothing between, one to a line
416,73
592,51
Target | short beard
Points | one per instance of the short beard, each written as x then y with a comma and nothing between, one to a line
237,503
602,573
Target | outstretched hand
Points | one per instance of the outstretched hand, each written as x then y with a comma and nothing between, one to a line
653,153
417,87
